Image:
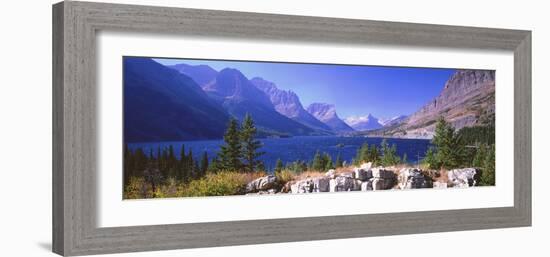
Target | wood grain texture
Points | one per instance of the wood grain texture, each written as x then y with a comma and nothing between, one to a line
75,25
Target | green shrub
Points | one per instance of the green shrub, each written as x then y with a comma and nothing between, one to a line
219,184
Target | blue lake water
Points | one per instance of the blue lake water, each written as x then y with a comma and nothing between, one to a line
297,148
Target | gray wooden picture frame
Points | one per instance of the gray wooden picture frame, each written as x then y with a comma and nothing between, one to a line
75,25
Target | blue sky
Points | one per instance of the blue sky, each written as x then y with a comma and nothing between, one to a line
384,92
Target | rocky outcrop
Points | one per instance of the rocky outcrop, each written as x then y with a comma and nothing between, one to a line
262,184
467,177
411,178
383,179
288,104
310,185
365,178
326,113
467,99
364,123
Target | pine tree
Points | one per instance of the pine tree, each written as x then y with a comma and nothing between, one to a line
260,166
479,158
389,155
450,151
250,144
488,171
192,172
374,156
214,165
430,159
339,162
317,164
128,164
204,164
278,166
182,166
328,162
230,154
196,170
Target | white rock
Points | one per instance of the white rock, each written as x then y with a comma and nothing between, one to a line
413,178
321,184
261,184
330,173
366,186
362,174
381,172
462,177
342,183
366,166
439,185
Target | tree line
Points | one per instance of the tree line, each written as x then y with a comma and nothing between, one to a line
468,147
240,152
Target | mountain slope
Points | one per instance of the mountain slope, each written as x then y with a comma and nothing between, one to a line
394,121
467,99
202,74
363,123
326,113
288,104
239,97
161,104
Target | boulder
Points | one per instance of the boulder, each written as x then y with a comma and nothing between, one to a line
466,177
342,183
261,184
410,178
439,185
366,166
321,184
382,184
366,186
331,173
381,172
302,186
362,174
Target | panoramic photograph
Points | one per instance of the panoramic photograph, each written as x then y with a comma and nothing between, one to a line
196,128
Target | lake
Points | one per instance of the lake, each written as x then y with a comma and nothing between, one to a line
298,148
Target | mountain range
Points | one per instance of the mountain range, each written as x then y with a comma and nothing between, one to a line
327,114
363,123
467,99
161,101
158,102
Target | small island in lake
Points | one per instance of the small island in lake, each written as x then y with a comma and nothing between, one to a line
203,128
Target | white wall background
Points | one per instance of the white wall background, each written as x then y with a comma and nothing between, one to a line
25,127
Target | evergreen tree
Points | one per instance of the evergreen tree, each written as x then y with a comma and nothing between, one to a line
278,166
374,156
450,151
260,166
213,167
479,158
250,144
192,172
404,159
389,155
196,170
328,162
204,164
128,164
430,159
318,163
488,171
182,167
363,154
230,154
339,162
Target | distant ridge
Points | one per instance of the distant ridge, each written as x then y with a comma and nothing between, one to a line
327,114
